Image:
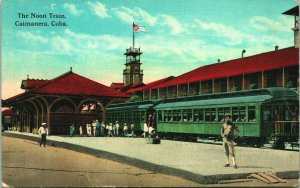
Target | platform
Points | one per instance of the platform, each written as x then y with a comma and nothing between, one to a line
202,163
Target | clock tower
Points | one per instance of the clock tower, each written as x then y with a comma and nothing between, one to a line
132,73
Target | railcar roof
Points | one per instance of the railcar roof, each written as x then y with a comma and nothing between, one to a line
232,100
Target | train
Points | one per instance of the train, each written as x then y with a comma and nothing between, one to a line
262,115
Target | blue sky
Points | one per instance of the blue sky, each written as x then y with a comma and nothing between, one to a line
182,35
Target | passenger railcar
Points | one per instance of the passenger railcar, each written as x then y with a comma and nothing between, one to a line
130,112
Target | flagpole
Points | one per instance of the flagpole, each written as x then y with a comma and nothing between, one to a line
133,35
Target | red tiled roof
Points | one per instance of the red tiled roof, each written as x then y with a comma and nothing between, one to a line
32,83
132,86
74,84
7,112
151,84
16,96
266,61
117,85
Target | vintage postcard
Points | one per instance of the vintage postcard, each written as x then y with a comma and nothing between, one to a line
150,93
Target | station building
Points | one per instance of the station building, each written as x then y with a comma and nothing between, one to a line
278,68
67,99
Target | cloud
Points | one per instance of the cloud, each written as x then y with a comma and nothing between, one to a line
72,9
173,23
140,16
52,6
266,24
220,30
99,9
128,15
125,17
61,44
151,20
32,37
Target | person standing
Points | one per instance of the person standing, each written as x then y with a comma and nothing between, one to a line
117,128
94,128
110,128
102,129
72,130
97,128
146,129
228,134
132,129
125,129
80,130
43,131
89,129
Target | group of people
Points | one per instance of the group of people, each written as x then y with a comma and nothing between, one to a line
96,129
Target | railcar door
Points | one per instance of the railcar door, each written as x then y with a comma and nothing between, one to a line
267,127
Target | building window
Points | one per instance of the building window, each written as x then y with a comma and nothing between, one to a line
271,77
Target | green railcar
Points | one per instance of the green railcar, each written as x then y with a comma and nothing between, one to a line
130,112
252,111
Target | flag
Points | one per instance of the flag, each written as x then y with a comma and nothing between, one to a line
138,28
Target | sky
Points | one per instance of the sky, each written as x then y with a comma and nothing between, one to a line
181,35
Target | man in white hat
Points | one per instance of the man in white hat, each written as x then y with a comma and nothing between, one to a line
43,131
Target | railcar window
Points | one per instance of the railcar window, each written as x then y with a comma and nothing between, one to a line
267,114
176,115
239,114
190,115
210,114
184,115
213,116
198,115
221,114
165,115
187,115
227,110
242,114
207,114
160,116
235,113
251,113
170,117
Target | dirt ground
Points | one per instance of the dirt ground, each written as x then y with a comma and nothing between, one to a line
26,164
